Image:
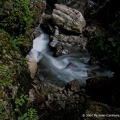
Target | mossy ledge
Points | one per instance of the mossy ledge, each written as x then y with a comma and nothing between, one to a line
18,20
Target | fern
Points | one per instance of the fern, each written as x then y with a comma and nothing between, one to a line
19,102
30,115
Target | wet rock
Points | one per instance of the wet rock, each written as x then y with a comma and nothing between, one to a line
47,28
46,24
74,86
35,34
68,18
52,102
65,44
93,61
63,22
53,97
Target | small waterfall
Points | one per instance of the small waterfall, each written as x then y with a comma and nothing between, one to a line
64,68
39,46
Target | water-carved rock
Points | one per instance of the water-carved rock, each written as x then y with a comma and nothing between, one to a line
65,44
68,18
32,65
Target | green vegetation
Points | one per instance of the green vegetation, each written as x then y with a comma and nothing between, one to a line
17,20
31,114
11,74
15,16
20,102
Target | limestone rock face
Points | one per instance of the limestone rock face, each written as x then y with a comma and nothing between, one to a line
32,65
68,18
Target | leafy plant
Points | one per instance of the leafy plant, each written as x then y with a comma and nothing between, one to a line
16,21
15,43
20,102
1,111
31,114
8,43
6,78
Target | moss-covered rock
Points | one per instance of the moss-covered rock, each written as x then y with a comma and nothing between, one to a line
18,20
14,79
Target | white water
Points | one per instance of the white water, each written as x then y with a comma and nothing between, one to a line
64,68
39,46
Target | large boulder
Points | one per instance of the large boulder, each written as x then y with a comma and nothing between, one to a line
65,26
68,18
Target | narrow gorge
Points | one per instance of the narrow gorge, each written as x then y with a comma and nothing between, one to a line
59,60
70,65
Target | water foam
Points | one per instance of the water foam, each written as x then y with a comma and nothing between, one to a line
64,68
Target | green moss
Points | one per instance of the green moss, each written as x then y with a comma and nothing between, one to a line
17,20
13,72
15,16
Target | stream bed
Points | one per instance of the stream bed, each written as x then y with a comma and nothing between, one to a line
63,69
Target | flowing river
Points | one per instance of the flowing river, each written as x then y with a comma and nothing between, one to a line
59,70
